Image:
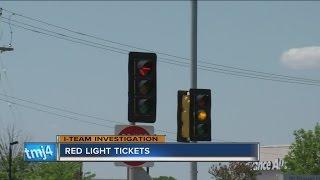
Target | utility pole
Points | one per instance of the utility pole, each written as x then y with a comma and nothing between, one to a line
5,49
10,159
10,163
81,171
193,70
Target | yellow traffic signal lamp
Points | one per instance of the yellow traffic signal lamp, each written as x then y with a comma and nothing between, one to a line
202,115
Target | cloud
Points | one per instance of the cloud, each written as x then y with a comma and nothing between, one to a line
302,58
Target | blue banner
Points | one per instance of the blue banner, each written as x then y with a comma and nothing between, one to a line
40,151
159,152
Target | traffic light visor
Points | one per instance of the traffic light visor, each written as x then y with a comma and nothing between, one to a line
202,130
144,106
145,87
202,100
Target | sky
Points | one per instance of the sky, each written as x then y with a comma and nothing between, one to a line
273,37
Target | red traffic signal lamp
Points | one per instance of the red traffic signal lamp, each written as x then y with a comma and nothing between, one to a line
200,114
142,87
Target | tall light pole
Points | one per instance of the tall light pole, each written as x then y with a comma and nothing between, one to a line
193,70
10,158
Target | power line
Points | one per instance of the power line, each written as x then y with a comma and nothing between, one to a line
286,79
64,116
79,42
60,109
74,118
166,54
175,62
56,114
64,35
200,67
217,70
84,34
71,112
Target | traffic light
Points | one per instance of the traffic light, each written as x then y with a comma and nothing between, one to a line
142,87
200,114
183,116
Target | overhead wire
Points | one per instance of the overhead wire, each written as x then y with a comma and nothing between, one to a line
60,115
77,113
56,114
77,119
290,79
217,70
166,54
79,42
64,35
60,109
166,60
174,63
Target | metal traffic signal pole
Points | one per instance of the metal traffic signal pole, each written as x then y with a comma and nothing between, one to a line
194,4
142,96
130,170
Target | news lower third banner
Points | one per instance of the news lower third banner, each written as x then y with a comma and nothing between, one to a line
170,152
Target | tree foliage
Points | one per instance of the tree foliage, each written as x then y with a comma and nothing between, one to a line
233,171
164,178
304,154
34,170
59,170
19,167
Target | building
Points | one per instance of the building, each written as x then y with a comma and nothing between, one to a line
271,160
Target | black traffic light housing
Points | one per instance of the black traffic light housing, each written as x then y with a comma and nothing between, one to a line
142,85
183,116
200,114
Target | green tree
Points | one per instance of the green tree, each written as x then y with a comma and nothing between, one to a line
233,171
59,170
32,170
304,154
19,167
164,178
